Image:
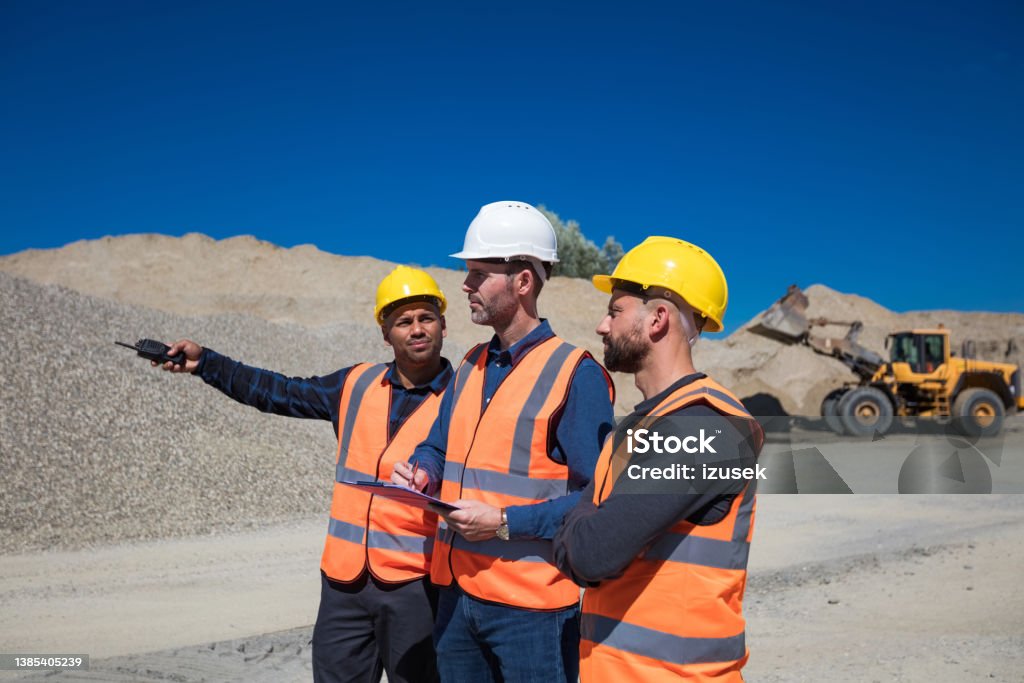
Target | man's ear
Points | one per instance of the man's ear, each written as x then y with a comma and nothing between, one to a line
444,327
659,319
385,335
518,282
527,278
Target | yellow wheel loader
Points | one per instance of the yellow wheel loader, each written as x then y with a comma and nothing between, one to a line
921,378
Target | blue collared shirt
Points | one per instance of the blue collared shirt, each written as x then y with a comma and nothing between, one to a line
311,397
581,426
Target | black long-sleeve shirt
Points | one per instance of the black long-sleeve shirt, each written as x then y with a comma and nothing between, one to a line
309,397
597,542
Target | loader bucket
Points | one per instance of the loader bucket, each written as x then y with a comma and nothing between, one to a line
786,320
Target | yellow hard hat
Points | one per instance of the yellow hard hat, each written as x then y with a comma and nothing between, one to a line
680,267
405,284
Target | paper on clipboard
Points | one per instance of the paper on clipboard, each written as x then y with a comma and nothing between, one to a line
401,494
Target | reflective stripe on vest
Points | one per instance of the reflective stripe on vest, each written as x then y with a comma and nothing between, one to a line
500,482
392,540
676,611
497,452
658,645
380,539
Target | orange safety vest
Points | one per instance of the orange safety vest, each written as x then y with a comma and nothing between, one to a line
676,611
393,541
498,453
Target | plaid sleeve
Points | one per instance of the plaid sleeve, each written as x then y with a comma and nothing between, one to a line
272,392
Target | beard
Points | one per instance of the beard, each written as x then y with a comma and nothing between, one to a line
627,353
497,312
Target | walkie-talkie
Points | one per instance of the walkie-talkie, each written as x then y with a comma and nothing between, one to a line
155,350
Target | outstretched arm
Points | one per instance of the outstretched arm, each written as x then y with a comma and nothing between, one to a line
270,392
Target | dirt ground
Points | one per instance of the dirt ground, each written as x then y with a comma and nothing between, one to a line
842,588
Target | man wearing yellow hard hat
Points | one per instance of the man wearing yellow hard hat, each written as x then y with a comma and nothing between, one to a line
377,606
663,555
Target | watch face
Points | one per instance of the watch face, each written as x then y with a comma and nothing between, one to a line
502,532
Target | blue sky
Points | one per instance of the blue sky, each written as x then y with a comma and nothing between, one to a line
876,147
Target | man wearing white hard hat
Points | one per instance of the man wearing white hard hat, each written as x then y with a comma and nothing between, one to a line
516,439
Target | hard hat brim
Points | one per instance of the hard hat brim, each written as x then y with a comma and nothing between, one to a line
480,256
440,304
607,284
603,283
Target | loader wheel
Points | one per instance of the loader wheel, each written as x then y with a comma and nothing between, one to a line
864,411
978,412
830,410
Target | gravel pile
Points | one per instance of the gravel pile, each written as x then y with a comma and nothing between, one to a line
97,446
315,289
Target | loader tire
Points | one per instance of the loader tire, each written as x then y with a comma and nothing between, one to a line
865,411
830,411
978,412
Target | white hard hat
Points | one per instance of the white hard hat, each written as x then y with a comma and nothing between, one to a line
507,230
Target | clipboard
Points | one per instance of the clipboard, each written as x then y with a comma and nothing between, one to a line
401,494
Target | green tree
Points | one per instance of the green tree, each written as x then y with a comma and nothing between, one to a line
577,255
612,252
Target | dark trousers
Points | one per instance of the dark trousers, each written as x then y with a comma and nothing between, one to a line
368,626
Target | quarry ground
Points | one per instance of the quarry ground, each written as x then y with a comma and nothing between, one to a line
864,587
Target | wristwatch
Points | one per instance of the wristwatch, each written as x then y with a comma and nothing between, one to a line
502,530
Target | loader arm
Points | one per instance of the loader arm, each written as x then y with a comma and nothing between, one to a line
787,322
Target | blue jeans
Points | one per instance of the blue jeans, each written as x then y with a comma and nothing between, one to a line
477,642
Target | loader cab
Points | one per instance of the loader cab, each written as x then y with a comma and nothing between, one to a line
925,351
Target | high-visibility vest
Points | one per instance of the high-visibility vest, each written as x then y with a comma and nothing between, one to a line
497,452
676,611
393,541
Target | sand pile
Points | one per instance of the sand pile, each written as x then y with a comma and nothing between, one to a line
800,379
195,275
